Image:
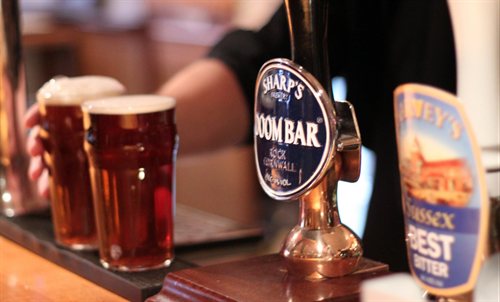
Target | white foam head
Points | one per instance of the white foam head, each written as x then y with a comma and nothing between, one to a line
129,104
75,90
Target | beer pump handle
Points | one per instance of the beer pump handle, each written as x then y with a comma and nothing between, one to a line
308,26
319,246
18,193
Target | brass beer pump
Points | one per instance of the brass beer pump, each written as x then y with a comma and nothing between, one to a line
319,246
17,193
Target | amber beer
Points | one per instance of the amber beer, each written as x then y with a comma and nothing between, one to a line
131,142
62,137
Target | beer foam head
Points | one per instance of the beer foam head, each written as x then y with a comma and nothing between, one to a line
129,104
75,90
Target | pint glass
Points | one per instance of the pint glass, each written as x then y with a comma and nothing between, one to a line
131,143
62,137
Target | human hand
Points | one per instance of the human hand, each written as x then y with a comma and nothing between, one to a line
37,170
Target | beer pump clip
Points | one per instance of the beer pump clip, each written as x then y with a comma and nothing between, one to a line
335,123
305,143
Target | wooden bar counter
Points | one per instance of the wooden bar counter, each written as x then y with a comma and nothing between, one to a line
34,268
25,276
26,241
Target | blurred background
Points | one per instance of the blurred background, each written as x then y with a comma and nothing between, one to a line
139,42
142,43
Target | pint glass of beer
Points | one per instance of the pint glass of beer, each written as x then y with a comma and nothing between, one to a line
62,137
131,143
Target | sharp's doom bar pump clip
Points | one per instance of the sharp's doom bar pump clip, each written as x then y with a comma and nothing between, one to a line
305,143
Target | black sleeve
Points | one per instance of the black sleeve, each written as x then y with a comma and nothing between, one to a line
246,51
406,41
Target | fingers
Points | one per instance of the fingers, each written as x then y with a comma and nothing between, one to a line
38,173
37,170
43,184
36,167
31,120
34,145
32,116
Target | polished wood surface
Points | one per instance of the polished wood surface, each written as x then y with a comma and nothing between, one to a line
25,276
262,278
34,232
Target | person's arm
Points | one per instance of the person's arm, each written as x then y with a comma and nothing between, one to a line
211,109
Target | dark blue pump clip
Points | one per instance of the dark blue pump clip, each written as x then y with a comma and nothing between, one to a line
298,131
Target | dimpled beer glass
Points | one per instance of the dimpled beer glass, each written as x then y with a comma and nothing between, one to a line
61,132
131,143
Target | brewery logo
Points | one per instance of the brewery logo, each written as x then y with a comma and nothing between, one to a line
444,192
294,129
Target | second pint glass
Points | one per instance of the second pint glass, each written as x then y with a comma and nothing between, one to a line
61,132
131,143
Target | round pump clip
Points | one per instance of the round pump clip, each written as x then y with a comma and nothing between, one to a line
296,129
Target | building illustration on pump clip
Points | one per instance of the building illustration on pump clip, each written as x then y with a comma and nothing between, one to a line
447,181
